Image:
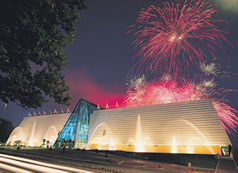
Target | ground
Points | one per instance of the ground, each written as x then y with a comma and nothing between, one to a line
105,161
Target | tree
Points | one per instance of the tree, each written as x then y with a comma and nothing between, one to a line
18,142
33,34
6,128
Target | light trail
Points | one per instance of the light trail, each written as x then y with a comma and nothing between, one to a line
31,166
13,169
41,166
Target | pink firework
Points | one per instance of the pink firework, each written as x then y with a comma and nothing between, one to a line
179,34
170,91
227,114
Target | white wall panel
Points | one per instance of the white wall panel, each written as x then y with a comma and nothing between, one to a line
189,123
32,130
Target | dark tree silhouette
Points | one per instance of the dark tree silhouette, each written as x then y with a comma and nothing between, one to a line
33,34
6,128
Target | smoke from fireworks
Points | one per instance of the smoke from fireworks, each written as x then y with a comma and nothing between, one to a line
228,5
174,37
171,91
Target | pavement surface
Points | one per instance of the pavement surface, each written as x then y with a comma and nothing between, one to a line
92,161
226,165
19,164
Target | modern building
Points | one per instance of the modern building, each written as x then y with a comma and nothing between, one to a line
75,131
183,127
33,129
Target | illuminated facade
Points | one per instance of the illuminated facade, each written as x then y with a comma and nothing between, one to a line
184,127
75,131
33,129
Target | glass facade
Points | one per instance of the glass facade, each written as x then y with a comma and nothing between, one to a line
75,132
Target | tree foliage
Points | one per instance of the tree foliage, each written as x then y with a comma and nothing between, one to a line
6,128
33,34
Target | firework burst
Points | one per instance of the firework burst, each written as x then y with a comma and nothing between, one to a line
171,91
213,69
174,37
136,88
134,81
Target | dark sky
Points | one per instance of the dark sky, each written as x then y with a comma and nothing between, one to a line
102,52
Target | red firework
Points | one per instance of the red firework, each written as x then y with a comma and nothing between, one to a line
171,91
174,37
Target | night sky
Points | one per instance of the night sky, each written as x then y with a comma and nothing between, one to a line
102,53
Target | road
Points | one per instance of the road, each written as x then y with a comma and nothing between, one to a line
43,160
10,163
226,165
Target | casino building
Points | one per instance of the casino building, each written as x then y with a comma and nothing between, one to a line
183,127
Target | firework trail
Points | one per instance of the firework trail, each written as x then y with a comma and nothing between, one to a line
171,91
174,37
134,81
213,69
136,88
